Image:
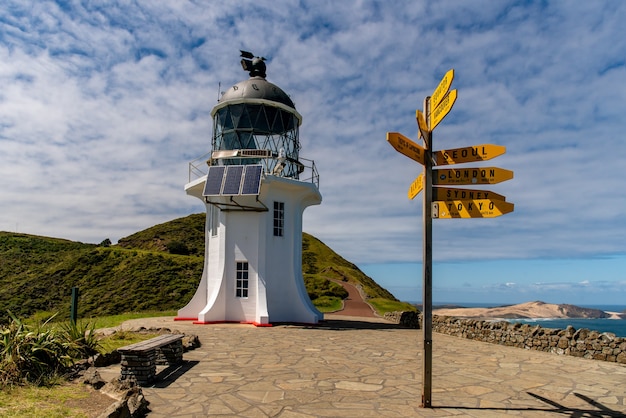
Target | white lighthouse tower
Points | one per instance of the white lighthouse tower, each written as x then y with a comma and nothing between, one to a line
255,187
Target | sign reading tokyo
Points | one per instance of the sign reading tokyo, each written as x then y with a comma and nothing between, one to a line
478,208
479,175
469,154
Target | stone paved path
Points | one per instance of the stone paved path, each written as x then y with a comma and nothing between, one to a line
351,367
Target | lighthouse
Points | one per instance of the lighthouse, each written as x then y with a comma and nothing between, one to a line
255,187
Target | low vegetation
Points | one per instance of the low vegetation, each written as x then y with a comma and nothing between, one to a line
163,264
39,354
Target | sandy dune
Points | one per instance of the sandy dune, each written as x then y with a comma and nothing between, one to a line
528,310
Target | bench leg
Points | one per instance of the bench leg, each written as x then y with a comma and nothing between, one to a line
142,367
171,354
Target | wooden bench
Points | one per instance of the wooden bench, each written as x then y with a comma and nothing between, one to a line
140,359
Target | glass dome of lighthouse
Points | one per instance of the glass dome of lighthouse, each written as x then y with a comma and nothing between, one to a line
255,122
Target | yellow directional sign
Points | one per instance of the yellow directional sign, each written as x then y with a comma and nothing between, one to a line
468,154
422,125
416,187
405,146
442,89
476,175
452,193
478,208
442,109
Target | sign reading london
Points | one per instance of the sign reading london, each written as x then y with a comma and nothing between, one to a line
466,176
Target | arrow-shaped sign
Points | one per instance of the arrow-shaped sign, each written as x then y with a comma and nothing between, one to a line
405,146
442,109
452,193
468,154
475,175
422,125
442,89
416,187
478,208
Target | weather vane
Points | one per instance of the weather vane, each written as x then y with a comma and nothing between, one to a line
254,65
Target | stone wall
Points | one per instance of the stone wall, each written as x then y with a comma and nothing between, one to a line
578,343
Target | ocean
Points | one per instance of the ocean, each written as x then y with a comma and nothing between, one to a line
616,326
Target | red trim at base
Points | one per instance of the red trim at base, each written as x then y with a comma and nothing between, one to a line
256,324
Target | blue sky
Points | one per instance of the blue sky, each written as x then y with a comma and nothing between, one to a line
104,103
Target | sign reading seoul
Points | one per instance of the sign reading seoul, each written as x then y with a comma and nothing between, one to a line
468,154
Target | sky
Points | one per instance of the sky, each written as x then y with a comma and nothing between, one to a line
104,103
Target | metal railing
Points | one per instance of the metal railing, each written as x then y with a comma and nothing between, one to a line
307,171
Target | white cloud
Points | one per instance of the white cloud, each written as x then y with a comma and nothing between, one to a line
103,105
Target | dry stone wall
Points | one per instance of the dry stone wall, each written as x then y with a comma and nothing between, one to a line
578,343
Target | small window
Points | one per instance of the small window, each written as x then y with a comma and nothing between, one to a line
241,287
279,218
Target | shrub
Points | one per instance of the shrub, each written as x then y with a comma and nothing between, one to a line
38,354
33,356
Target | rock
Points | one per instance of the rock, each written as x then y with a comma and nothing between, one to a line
190,342
117,410
103,360
93,378
130,394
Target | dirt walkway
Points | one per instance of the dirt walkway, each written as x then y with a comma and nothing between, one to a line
354,305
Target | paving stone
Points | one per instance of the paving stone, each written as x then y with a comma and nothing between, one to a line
354,368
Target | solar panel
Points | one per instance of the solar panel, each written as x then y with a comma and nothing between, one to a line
251,180
214,181
232,182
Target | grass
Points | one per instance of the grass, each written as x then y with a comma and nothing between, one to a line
58,398
382,305
328,303
41,402
116,320
122,338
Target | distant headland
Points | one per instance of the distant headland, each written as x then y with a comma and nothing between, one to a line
529,310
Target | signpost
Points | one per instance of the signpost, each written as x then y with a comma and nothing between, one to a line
442,88
453,193
416,187
422,125
469,154
442,110
446,202
405,146
474,175
477,208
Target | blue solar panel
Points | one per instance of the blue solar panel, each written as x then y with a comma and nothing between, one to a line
251,180
232,182
214,181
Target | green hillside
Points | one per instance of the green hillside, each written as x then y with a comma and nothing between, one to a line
155,269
